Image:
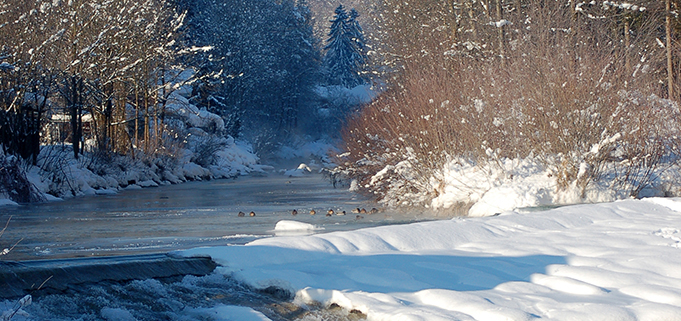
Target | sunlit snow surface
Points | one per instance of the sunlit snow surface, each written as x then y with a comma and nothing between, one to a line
614,261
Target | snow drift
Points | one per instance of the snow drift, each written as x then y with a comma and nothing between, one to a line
614,261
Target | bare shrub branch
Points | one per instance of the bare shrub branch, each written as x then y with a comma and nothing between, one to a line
567,94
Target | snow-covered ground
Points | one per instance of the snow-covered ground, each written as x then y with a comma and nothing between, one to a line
610,261
476,189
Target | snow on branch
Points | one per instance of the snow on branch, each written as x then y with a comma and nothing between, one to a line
6,66
178,22
128,67
623,6
195,49
500,23
94,44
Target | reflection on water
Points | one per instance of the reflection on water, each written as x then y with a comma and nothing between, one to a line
182,216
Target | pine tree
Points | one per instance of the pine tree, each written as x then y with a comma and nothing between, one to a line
344,51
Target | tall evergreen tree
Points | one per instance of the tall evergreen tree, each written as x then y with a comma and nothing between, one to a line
344,56
264,64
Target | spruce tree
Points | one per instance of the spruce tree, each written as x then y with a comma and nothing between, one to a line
343,58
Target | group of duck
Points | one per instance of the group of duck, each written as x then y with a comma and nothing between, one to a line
330,212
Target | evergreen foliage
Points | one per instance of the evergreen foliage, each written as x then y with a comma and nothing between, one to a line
345,50
263,66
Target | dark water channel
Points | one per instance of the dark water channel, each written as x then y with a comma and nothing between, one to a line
159,220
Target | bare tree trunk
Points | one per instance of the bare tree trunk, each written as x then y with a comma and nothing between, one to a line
155,121
668,30
154,110
453,22
146,97
146,120
108,109
627,45
471,18
500,33
120,133
161,106
76,110
137,116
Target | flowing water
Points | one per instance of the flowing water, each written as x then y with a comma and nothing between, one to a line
158,220
182,216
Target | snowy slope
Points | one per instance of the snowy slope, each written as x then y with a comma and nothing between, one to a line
614,261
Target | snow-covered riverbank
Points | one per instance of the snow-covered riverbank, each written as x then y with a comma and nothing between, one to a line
66,177
195,147
613,261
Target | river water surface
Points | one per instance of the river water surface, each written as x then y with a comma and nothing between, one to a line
162,219
182,216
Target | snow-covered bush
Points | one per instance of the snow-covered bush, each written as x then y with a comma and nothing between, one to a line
566,121
14,184
206,148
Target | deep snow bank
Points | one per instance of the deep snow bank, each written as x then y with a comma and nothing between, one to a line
489,188
511,184
615,261
59,174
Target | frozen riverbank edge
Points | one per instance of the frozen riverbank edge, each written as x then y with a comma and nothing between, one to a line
615,261
59,175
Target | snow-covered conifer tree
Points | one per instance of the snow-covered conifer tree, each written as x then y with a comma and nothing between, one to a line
343,52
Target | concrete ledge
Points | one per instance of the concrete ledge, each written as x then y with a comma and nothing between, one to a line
20,278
